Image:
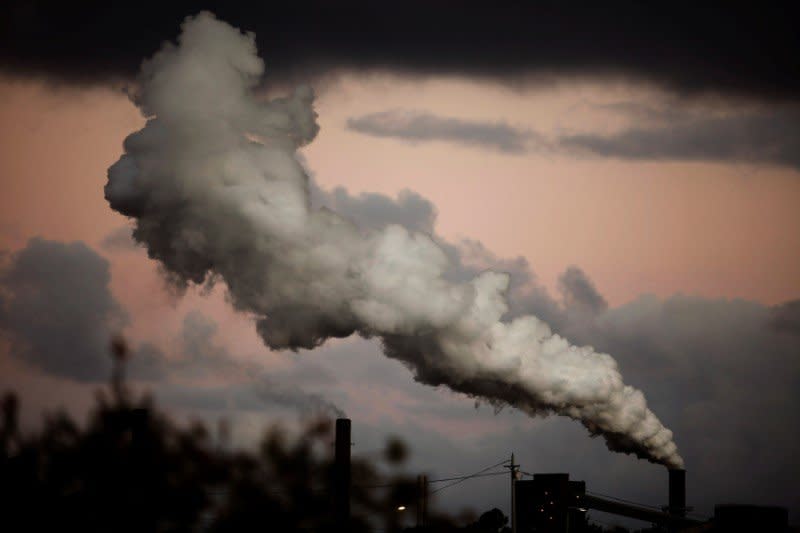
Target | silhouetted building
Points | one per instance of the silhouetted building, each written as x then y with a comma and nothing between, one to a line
761,518
550,503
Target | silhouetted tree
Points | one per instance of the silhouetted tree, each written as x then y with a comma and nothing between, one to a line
131,469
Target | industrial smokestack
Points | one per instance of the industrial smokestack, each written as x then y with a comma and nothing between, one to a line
341,474
677,491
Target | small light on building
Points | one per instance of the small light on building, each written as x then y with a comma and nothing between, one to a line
401,508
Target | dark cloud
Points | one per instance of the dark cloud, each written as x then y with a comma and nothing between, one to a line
672,133
785,318
58,311
256,396
753,137
210,398
248,385
201,354
741,50
146,363
289,395
58,314
421,126
578,291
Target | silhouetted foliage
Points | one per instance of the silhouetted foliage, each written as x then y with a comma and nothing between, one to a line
493,521
131,469
396,451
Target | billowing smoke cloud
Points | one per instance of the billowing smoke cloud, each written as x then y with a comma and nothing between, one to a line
218,193
376,211
467,258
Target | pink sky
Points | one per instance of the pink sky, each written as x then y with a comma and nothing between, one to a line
716,230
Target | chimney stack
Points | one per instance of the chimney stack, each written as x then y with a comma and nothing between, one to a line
677,492
341,474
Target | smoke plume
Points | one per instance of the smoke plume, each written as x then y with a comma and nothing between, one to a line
217,192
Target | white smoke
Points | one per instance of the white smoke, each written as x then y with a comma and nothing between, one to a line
217,192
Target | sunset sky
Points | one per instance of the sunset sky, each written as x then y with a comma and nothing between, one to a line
645,209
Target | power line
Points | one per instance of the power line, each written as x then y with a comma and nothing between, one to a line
476,474
481,473
465,477
460,478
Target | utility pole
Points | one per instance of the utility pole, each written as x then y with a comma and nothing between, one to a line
513,471
422,499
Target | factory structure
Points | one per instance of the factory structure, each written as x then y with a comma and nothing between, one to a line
553,503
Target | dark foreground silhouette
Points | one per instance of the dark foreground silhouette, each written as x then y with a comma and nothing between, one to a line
132,469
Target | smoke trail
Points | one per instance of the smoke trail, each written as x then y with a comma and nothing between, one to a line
286,395
217,192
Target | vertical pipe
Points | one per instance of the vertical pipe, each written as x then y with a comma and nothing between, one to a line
341,474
